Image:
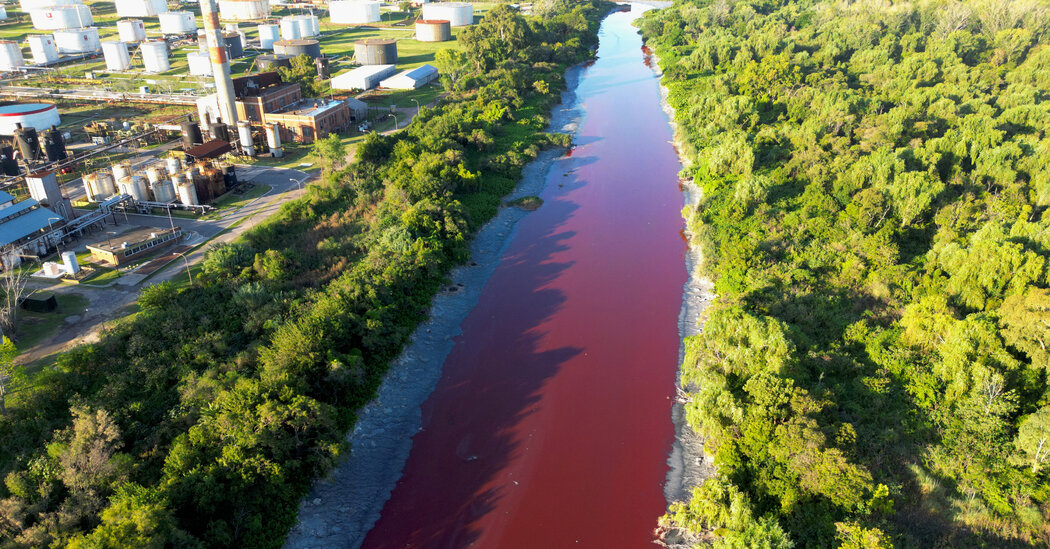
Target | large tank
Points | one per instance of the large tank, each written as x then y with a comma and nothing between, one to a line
163,190
234,47
155,56
26,5
244,135
273,139
99,185
172,165
134,185
78,40
116,54
91,190
200,63
268,34
306,26
141,8
39,116
244,10
10,55
54,145
178,22
45,52
131,30
155,173
290,28
458,14
295,48
353,12
187,192
61,17
433,30
272,62
191,135
376,51
121,170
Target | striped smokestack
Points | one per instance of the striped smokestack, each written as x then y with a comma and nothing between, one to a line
220,66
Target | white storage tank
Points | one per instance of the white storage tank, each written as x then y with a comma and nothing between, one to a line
433,30
172,165
3,13
26,5
187,192
78,40
131,30
10,55
353,12
61,17
200,63
273,139
44,49
163,191
141,8
290,28
268,34
178,22
244,10
134,185
155,56
116,54
306,26
244,135
39,116
458,14
121,170
155,173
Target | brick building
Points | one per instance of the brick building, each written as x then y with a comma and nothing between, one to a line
311,119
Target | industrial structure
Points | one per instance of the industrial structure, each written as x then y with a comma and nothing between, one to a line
433,30
178,23
242,10
43,48
363,78
411,79
375,51
295,48
133,245
141,8
38,116
353,12
458,14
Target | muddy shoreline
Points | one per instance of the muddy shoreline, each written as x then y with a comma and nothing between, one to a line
340,509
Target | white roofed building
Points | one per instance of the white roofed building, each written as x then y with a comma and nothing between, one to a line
411,79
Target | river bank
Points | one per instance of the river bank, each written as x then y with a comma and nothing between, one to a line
342,508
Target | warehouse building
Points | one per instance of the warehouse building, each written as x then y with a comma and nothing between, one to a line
134,244
26,227
411,79
363,78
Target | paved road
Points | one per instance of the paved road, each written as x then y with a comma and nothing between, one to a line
107,304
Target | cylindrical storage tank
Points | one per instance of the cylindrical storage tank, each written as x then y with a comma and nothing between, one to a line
172,165
244,10
163,190
272,62
3,13
295,48
202,42
116,54
91,190
131,30
353,12
458,14
78,40
433,30
187,193
273,139
155,174
135,186
376,51
191,135
39,116
26,5
155,56
306,26
106,185
10,55
44,49
268,34
61,17
141,8
244,134
234,47
200,63
178,22
290,28
191,175
121,170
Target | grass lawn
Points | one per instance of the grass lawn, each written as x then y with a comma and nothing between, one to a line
105,276
35,327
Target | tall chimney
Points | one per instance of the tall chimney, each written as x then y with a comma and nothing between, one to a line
220,66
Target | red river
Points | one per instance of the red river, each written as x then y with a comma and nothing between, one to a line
551,424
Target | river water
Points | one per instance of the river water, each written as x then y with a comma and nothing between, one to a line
551,424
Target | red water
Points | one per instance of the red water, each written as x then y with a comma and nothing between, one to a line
551,425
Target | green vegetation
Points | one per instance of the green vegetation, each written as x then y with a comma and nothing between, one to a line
34,327
529,203
202,420
875,184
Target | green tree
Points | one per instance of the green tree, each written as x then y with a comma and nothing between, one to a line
304,72
331,151
1033,437
8,352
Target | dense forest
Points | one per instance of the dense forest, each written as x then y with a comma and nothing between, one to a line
875,179
201,420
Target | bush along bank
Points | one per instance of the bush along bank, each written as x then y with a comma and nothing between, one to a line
201,420
875,186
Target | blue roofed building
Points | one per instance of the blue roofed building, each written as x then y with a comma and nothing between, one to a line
26,228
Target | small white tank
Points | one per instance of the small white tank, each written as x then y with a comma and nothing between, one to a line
45,52
244,133
178,22
131,30
290,28
306,26
163,190
200,63
10,55
116,54
78,40
353,12
172,165
91,190
187,193
268,34
202,41
135,186
155,174
155,56
273,139
121,170
106,186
